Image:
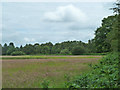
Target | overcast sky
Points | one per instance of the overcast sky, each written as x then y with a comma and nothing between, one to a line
40,22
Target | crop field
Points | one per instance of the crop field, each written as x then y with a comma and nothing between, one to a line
34,71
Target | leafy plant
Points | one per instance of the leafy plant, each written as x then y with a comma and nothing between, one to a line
68,80
104,75
45,83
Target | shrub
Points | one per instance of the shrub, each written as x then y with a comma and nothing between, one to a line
15,53
45,83
104,75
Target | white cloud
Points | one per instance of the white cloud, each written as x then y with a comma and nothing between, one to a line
67,13
29,40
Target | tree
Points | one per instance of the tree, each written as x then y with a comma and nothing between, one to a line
4,49
56,48
10,50
0,49
11,44
36,44
114,34
21,47
29,49
101,40
65,51
91,46
45,50
38,49
78,50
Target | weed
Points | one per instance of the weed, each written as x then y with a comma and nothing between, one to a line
45,83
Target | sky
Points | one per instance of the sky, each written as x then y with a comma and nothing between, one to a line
41,22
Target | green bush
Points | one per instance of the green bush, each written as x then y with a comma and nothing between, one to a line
15,53
78,50
104,75
45,83
65,51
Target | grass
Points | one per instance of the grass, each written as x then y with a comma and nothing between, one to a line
31,74
48,57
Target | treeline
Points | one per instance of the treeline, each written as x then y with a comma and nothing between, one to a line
105,40
68,47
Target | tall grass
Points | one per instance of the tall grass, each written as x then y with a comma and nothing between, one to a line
43,73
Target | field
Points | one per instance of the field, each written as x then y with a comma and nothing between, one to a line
34,71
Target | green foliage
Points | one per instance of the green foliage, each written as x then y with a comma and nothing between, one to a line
64,48
10,50
91,46
114,35
0,49
95,54
45,83
4,49
28,49
107,37
67,79
65,52
101,40
78,50
45,49
11,44
15,53
104,75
